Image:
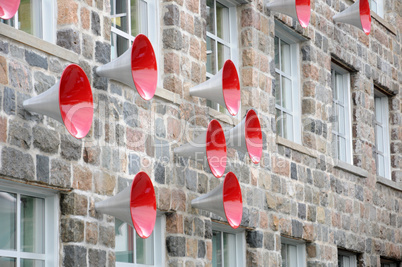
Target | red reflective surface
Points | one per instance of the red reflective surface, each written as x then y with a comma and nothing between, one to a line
232,200
76,102
365,16
303,11
253,136
231,87
8,8
143,205
143,67
216,148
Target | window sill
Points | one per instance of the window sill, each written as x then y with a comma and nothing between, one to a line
383,22
175,98
350,168
29,185
295,146
35,42
390,183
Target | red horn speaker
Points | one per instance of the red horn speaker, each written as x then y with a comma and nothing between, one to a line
357,15
225,200
210,144
135,205
297,9
247,136
136,68
8,8
223,87
69,101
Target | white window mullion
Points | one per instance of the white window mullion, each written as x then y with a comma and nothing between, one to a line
18,230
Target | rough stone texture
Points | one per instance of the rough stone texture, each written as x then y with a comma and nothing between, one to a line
72,230
20,135
46,140
20,76
69,39
9,101
42,168
70,147
95,23
102,52
176,246
97,258
17,164
43,82
3,71
74,256
35,60
60,173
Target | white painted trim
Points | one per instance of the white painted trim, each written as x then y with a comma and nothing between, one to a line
301,250
240,242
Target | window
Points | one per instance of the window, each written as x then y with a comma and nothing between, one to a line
29,226
221,39
36,17
287,100
131,250
346,259
293,253
228,247
130,18
341,128
382,135
389,263
378,7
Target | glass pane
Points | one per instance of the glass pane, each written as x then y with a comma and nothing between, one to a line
211,56
292,256
278,100
284,254
285,57
380,165
8,211
335,125
342,120
121,21
373,6
136,17
379,138
10,22
144,18
222,22
210,16
286,93
119,45
287,126
340,88
277,53
25,16
342,148
145,250
279,123
334,86
378,109
7,262
216,249
229,245
32,224
32,263
124,240
223,55
346,261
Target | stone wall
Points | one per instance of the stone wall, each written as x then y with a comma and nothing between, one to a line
296,191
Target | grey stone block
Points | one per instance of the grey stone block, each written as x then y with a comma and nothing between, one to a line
172,39
201,249
172,15
254,239
134,164
72,230
98,81
17,164
69,39
74,256
130,112
102,52
297,229
43,82
46,140
42,168
60,173
95,23
36,60
19,134
4,47
159,173
176,246
97,258
70,147
87,46
9,101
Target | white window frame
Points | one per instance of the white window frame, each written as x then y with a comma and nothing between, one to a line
232,44
379,7
158,245
293,41
51,255
347,255
240,254
301,260
389,263
44,26
152,30
347,107
382,100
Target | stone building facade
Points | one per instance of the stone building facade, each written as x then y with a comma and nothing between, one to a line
302,196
